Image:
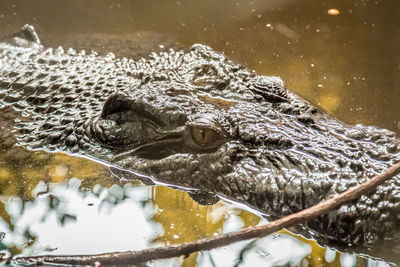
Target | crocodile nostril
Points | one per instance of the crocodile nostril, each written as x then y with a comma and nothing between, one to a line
116,103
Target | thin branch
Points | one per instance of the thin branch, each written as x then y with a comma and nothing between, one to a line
136,257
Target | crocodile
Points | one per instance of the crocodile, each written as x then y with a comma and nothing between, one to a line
198,120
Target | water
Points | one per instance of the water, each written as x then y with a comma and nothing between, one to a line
347,64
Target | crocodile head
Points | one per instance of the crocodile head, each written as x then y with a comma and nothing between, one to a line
208,123
196,119
198,124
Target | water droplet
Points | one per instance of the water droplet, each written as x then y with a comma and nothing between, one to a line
333,12
61,170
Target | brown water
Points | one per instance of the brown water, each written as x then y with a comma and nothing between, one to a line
348,64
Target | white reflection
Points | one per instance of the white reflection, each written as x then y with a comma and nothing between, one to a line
232,224
61,170
273,250
377,263
330,255
347,260
81,222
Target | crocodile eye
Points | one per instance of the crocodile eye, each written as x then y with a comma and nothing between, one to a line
203,136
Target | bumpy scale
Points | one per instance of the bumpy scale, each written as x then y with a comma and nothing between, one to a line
198,120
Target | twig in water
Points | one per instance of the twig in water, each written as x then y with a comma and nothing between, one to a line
136,257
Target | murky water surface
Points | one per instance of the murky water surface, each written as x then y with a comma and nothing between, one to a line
344,56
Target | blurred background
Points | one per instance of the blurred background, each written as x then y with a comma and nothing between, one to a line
342,55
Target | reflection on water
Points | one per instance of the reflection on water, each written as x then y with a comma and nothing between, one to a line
57,204
52,213
70,219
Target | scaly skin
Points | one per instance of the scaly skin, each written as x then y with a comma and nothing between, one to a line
257,142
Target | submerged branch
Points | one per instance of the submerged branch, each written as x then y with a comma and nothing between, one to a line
135,257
